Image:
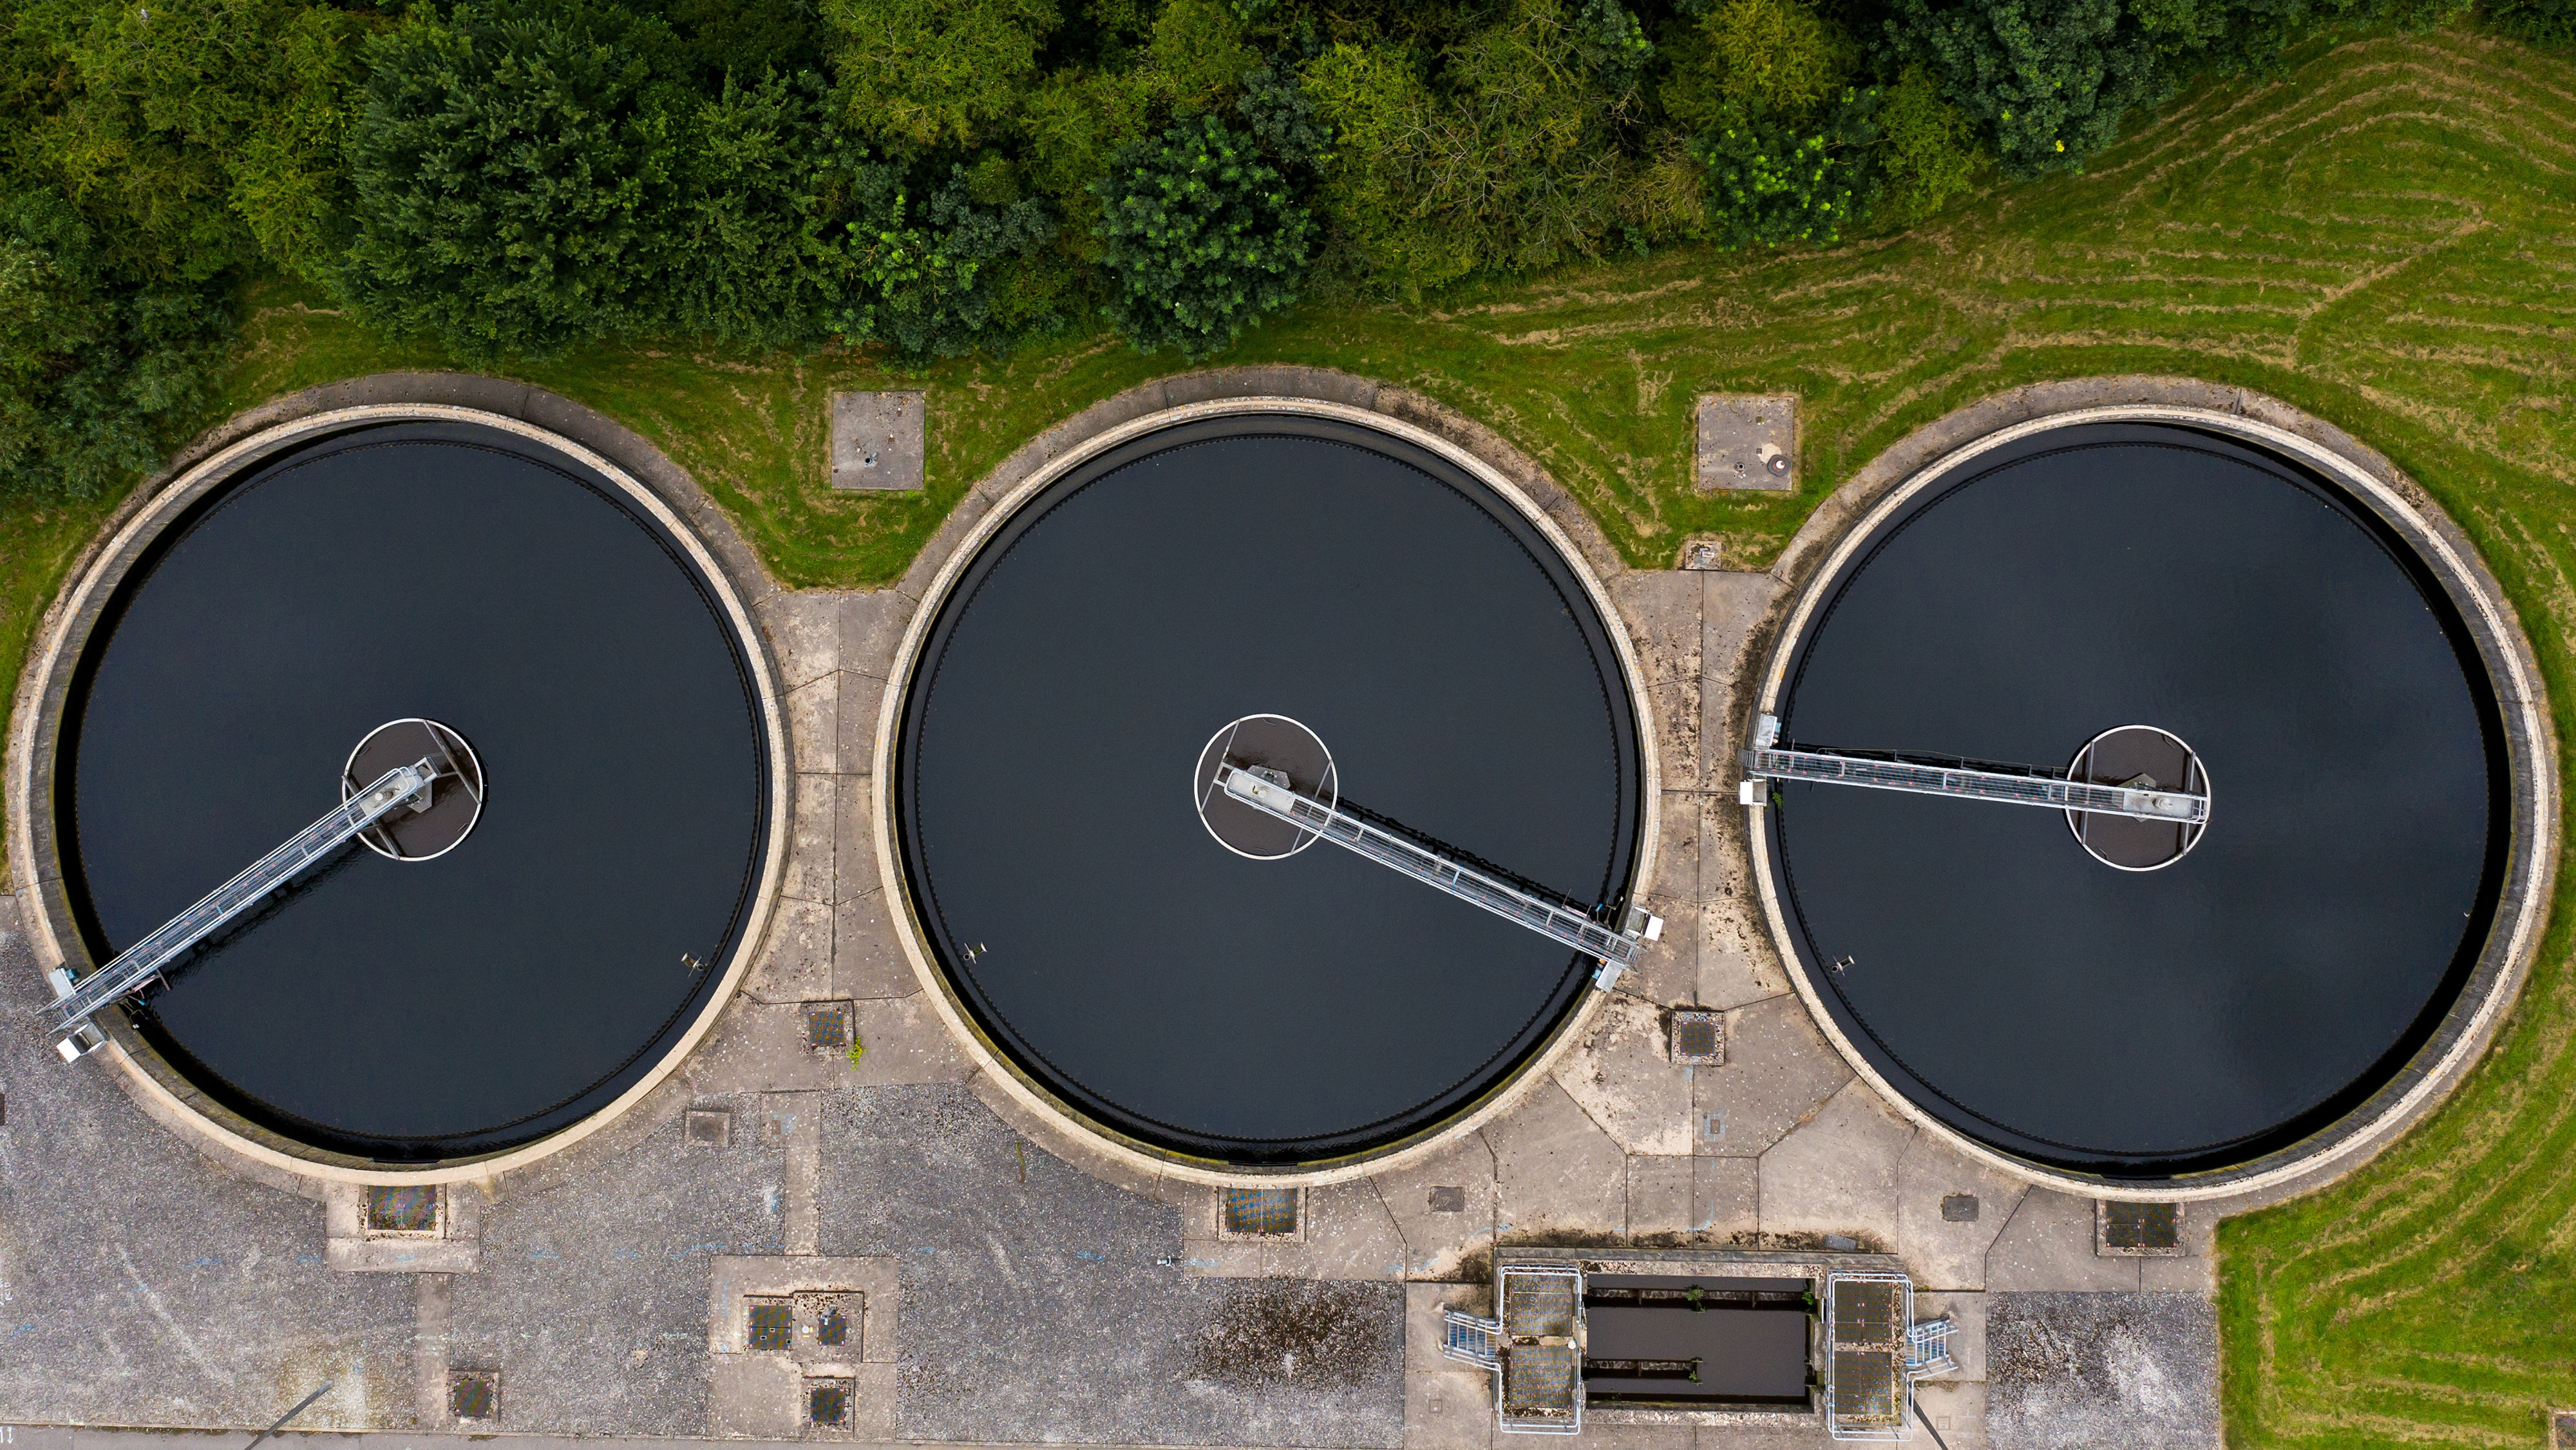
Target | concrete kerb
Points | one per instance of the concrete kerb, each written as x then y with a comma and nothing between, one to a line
1106,425
1838,526
222,1136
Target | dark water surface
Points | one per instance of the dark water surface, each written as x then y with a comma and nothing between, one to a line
523,980
1261,1010
2210,1011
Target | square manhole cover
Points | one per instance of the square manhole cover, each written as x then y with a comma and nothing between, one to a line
410,1209
709,1128
474,1396
827,1403
772,1325
1452,1199
2562,1430
827,1026
1699,1036
2137,1230
1959,1208
1258,1213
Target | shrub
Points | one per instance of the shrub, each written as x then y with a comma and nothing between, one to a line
1203,237
510,182
1927,151
209,131
1771,181
752,256
1516,164
923,72
1282,119
1077,125
1778,55
1198,47
934,272
2544,22
96,368
2049,79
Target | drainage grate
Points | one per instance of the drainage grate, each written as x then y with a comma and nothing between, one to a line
1449,1200
1698,1036
772,1326
2562,1430
827,1026
474,1396
1959,1208
2137,1230
827,1403
1259,1213
710,1128
407,1210
829,1320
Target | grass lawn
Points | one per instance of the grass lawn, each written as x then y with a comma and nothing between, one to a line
2385,236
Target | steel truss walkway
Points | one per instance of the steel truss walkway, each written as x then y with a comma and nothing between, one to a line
1985,783
403,787
1270,793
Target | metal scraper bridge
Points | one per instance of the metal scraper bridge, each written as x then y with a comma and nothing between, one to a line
2137,799
406,787
1270,792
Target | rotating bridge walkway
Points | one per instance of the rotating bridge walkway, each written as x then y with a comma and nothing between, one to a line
1270,792
1766,761
75,1002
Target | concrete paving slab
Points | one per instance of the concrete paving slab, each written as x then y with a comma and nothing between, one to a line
2048,1245
1659,1198
1675,705
1726,1196
2101,1371
867,961
1740,435
1778,1073
1558,1171
1444,1207
814,724
1666,972
795,963
862,697
760,1046
1661,608
1041,1304
1348,1234
854,840
1949,1210
1956,1410
877,440
637,1233
1599,1434
803,628
1967,1313
1837,1173
811,847
906,1042
143,1286
1447,1405
1732,604
1621,1075
1677,842
872,622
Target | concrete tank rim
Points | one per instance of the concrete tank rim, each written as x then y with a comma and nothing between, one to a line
1105,1151
63,636
1852,515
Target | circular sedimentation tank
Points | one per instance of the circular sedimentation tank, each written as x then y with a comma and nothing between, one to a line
313,610
1373,616
2194,608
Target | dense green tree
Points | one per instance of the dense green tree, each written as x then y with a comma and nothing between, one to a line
1927,150
1200,53
2048,80
754,253
2547,22
1282,119
1513,162
934,272
97,368
1779,55
1773,180
513,184
1203,237
923,72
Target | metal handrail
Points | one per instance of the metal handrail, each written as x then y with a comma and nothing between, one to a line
1557,923
2052,791
76,1001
